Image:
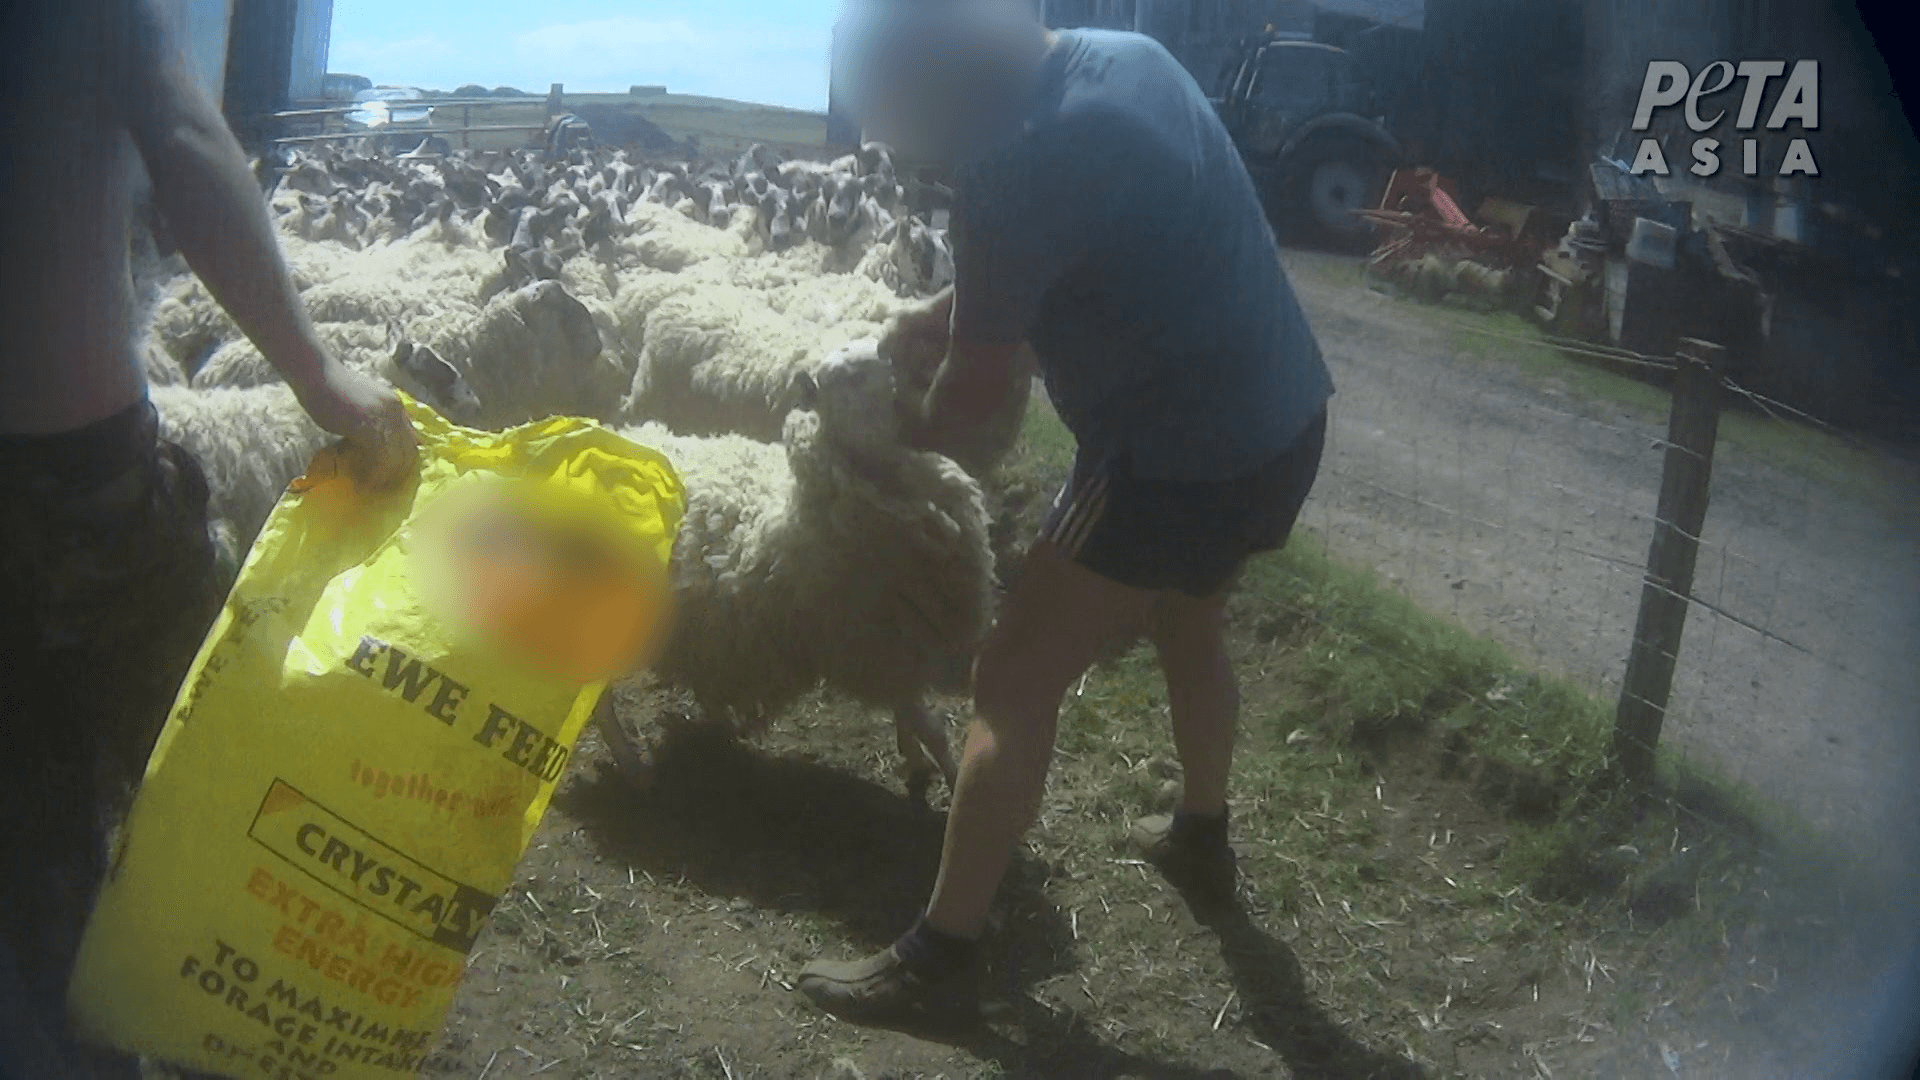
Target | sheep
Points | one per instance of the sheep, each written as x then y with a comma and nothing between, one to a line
237,362
915,260
531,351
188,324
606,221
161,368
840,209
776,217
514,199
253,441
840,557
534,351
719,360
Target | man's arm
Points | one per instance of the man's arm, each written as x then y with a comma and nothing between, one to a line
1023,224
212,205
205,190
974,383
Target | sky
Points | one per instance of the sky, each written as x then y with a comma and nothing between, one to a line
772,52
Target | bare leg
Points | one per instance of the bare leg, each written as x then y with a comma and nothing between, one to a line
1050,630
1189,634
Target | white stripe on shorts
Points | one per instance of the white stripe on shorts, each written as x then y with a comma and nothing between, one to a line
1073,528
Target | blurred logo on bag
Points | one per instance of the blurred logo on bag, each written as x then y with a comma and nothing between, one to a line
526,570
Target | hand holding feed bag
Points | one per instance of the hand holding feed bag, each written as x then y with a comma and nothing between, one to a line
365,744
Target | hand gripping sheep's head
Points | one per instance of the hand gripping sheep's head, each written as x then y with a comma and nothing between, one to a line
852,393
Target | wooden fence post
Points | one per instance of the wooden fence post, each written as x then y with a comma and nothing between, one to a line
1692,428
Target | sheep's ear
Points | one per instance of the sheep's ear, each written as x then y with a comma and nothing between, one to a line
433,373
804,390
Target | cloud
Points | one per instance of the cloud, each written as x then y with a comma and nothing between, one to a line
756,61
736,58
605,38
380,55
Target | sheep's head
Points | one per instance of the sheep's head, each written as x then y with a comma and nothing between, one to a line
548,305
435,381
852,393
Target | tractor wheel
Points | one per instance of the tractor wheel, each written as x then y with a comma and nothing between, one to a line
1333,180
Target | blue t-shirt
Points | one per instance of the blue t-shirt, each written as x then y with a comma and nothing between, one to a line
1119,232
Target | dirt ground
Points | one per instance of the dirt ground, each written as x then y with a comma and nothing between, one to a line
655,926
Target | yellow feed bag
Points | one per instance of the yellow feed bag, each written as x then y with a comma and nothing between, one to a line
365,744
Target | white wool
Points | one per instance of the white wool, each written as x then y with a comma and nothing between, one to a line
429,285
721,358
715,345
434,275
534,352
839,556
239,363
668,241
708,313
254,440
251,442
801,171
188,324
162,369
423,283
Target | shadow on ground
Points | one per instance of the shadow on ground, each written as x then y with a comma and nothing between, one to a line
1280,1011
783,833
789,835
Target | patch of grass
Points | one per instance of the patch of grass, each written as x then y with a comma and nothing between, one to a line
1822,457
1044,455
1344,669
728,130
719,126
1505,338
1329,271
1788,445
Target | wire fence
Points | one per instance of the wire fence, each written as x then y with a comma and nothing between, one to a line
1524,510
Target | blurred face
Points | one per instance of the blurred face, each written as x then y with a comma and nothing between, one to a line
935,79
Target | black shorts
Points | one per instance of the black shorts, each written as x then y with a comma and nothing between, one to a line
1184,535
108,586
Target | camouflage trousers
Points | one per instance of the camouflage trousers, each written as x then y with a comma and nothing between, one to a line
107,589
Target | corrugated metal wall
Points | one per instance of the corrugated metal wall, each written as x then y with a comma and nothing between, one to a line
1103,14
1503,93
312,29
1199,33
200,26
259,67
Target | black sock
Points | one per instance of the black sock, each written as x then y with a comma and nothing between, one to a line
1205,830
933,954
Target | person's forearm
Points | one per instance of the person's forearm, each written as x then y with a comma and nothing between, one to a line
972,384
212,206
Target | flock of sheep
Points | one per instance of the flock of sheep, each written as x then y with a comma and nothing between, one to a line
729,315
